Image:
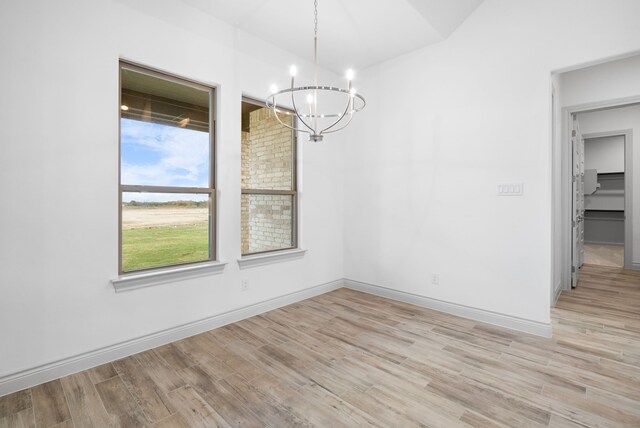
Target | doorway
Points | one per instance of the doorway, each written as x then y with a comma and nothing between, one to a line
605,97
604,194
601,188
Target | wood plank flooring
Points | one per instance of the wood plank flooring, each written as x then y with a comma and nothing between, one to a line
351,359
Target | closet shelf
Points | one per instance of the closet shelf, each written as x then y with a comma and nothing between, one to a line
608,192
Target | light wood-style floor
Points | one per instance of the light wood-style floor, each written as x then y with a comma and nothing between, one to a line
351,359
604,255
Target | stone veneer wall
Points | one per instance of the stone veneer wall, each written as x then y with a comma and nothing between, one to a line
266,164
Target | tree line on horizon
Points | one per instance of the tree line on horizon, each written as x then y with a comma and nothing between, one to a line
170,204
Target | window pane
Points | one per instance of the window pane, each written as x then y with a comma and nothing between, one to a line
164,129
160,229
266,223
267,150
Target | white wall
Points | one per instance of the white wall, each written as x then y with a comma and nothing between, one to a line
444,125
606,154
608,81
59,174
615,120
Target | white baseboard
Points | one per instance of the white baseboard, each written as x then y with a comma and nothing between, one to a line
34,376
507,321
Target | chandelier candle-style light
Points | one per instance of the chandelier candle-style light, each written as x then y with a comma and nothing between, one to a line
339,104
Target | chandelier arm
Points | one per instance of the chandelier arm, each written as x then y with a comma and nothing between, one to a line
295,110
349,104
341,127
275,113
284,124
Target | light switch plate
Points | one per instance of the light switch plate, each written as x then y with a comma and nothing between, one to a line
510,189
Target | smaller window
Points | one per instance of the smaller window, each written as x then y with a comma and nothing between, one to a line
167,195
269,183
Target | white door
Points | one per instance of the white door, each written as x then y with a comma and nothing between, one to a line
577,257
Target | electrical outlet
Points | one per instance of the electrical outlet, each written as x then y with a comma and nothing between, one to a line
510,189
244,285
435,279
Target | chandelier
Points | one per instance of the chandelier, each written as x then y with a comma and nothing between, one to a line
338,104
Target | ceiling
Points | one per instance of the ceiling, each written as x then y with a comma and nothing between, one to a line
351,33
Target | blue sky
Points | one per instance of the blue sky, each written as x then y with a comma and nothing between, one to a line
160,155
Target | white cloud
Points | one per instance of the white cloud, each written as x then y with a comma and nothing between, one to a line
160,155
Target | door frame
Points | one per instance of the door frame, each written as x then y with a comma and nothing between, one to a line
577,195
563,256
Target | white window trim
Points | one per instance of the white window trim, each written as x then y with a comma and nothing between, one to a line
270,258
162,276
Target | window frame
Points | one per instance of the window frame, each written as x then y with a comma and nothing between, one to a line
211,190
294,184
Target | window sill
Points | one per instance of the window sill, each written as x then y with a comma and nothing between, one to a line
147,279
269,258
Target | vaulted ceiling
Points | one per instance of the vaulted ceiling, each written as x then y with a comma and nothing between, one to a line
351,33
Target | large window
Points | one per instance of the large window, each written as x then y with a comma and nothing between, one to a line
269,193
167,196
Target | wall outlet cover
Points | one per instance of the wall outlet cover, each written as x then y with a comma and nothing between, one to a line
511,189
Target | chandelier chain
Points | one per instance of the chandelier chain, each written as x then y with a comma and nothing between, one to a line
315,18
315,42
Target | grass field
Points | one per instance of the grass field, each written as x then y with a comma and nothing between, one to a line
161,234
164,245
